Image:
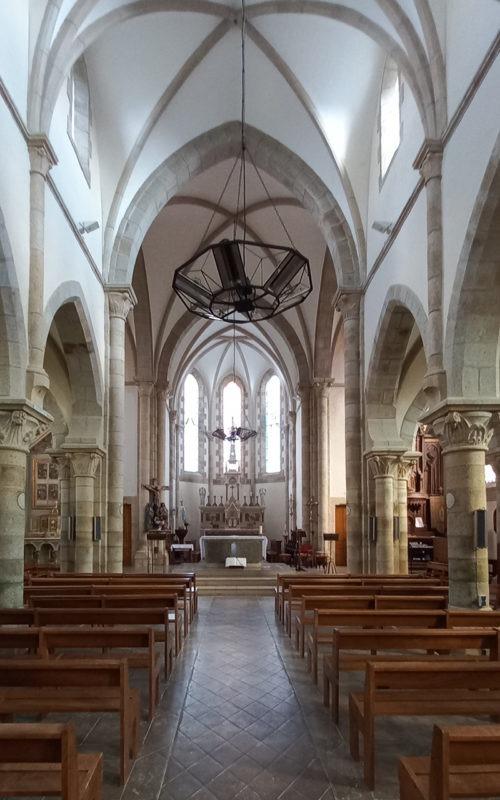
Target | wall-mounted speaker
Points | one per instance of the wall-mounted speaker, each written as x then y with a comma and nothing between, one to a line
480,528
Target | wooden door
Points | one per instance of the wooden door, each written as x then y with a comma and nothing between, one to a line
341,529
127,535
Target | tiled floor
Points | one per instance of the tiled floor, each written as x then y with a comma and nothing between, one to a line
240,719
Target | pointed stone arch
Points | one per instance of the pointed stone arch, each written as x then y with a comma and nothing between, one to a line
472,344
211,148
13,345
402,310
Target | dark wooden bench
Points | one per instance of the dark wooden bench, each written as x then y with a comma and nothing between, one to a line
305,615
111,617
169,602
17,616
105,590
19,641
352,648
473,619
293,595
108,639
41,686
434,688
42,760
464,762
325,621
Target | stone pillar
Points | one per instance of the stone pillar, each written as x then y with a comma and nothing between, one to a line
292,436
121,300
172,417
429,163
20,424
145,389
404,468
349,307
161,422
66,550
323,488
305,407
464,436
42,158
384,470
84,464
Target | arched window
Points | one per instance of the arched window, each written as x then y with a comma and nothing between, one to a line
390,116
191,424
79,114
272,434
231,415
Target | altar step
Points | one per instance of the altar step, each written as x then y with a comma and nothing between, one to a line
242,585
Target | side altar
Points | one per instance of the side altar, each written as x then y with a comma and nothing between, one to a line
234,525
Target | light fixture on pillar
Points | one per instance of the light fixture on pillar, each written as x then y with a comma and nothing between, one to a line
238,280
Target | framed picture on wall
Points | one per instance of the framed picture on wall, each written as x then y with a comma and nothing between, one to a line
45,483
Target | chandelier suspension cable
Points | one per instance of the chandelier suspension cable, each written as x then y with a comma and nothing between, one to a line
271,200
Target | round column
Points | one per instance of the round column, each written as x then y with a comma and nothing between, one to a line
19,426
145,389
493,458
464,437
83,469
305,417
120,303
321,397
161,421
292,436
349,307
42,158
172,417
66,554
384,469
405,465
429,163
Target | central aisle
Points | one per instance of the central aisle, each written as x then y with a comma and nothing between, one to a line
242,733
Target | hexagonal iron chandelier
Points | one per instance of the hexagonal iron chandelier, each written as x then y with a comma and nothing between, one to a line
237,280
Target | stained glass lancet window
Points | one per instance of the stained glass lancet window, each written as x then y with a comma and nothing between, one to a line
231,415
191,423
272,399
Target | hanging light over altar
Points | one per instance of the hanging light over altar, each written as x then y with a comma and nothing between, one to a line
238,280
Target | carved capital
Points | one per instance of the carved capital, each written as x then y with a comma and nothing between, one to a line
347,303
145,388
429,159
172,415
41,154
84,463
62,462
292,418
463,430
21,425
406,464
121,300
384,465
321,386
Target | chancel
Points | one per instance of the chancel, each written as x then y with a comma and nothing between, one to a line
249,399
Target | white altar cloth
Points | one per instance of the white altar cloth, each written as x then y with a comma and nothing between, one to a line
182,547
261,539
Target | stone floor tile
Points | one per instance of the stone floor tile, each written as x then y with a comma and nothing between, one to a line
181,787
226,785
206,769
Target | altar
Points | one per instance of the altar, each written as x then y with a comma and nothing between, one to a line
216,548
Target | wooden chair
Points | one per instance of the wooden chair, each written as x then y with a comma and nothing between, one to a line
464,762
39,686
39,759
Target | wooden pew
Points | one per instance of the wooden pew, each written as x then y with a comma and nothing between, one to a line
325,621
434,688
294,594
40,760
142,639
109,617
156,581
17,616
305,615
464,762
282,582
21,640
474,619
352,648
169,602
41,686
111,590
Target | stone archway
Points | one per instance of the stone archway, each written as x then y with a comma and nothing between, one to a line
13,349
472,349
211,148
401,311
